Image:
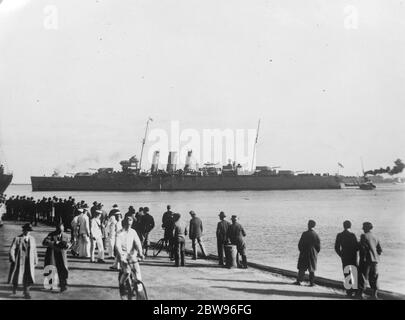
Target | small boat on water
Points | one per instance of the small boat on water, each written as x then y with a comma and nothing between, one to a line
367,185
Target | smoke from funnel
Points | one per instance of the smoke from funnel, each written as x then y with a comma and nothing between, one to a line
398,168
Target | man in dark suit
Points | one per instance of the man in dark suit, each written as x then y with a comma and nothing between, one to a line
196,230
168,225
222,238
309,247
57,244
147,224
346,246
370,251
236,235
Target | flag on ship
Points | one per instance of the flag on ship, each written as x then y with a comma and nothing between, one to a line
340,165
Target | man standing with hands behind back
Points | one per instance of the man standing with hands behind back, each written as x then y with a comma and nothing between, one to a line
222,236
196,230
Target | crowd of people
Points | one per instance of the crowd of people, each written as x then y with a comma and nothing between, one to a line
125,237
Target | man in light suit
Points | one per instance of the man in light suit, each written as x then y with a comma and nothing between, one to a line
84,234
23,257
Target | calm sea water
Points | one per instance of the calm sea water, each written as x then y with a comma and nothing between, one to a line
274,220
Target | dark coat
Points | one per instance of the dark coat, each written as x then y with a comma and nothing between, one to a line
196,228
236,235
18,260
346,246
168,224
147,223
309,247
56,252
167,219
370,248
222,231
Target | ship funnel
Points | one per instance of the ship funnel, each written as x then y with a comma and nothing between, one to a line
188,160
155,162
171,162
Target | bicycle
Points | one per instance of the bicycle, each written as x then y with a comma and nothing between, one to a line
160,245
132,287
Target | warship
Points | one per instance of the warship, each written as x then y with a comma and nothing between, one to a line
5,179
211,176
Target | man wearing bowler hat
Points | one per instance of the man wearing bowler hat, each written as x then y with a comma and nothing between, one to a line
236,235
23,257
222,239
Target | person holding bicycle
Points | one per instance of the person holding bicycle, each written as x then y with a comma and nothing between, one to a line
128,246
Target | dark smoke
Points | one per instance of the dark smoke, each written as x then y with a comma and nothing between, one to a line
399,166
91,160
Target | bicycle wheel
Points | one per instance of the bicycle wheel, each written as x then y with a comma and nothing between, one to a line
140,291
158,247
126,292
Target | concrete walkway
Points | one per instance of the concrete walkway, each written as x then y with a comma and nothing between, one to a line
198,280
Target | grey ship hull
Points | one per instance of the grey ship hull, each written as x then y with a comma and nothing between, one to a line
183,183
5,180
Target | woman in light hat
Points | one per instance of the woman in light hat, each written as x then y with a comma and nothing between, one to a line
23,257
96,238
111,234
118,228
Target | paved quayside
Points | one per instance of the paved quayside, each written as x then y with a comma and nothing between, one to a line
198,280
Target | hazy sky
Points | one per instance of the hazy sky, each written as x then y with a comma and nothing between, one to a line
80,78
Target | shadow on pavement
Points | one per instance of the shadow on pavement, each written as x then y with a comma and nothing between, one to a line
203,265
284,292
247,281
92,269
92,286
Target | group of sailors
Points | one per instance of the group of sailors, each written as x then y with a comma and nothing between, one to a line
45,210
93,228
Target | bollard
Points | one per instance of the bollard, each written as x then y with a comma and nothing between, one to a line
230,256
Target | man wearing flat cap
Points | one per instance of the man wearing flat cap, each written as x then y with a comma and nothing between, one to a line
236,235
346,247
370,251
222,239
309,247
23,257
195,234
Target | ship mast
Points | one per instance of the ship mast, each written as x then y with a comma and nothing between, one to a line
143,141
254,147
